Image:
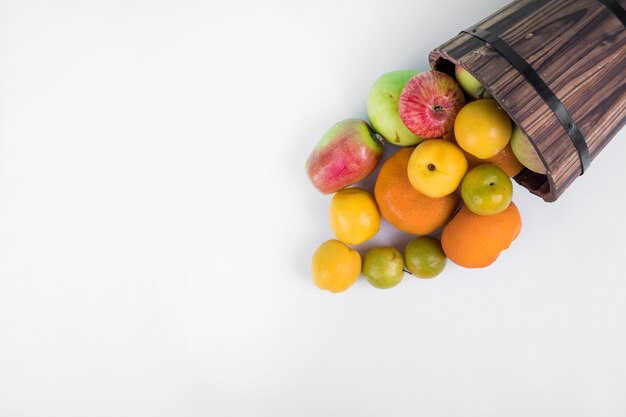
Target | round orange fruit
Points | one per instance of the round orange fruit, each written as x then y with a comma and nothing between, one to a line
403,206
506,161
475,241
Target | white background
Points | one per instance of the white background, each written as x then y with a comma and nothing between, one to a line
156,229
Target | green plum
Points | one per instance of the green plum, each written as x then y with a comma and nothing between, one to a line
525,152
424,257
469,84
486,190
383,267
382,108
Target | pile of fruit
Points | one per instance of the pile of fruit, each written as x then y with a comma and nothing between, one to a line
456,152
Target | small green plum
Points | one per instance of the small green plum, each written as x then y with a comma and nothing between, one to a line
486,190
424,257
383,267
469,84
525,152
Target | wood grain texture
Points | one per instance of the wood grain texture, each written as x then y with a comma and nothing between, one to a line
578,47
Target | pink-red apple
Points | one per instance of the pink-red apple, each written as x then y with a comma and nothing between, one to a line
346,154
382,108
429,103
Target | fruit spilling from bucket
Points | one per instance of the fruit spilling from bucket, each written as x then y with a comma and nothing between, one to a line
447,183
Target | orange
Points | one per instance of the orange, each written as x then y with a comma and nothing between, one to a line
475,241
403,206
505,159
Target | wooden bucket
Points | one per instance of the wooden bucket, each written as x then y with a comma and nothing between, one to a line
558,68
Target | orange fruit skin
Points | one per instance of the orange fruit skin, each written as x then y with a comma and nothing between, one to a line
474,241
403,206
505,159
335,266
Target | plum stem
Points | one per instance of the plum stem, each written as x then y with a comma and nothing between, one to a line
407,271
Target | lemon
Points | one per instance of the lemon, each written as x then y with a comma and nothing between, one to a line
482,128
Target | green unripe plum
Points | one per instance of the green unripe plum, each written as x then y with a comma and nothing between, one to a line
382,108
424,257
383,267
525,152
469,84
486,190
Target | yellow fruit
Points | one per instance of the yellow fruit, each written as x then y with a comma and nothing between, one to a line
482,128
335,267
505,159
354,216
403,206
436,168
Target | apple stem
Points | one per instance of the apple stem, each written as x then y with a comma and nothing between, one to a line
378,138
407,271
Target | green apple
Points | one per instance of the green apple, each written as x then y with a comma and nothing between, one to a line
469,84
424,257
486,190
383,267
382,108
525,152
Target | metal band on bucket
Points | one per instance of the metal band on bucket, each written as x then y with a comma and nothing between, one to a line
616,9
541,87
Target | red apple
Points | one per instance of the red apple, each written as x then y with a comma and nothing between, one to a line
346,154
429,103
